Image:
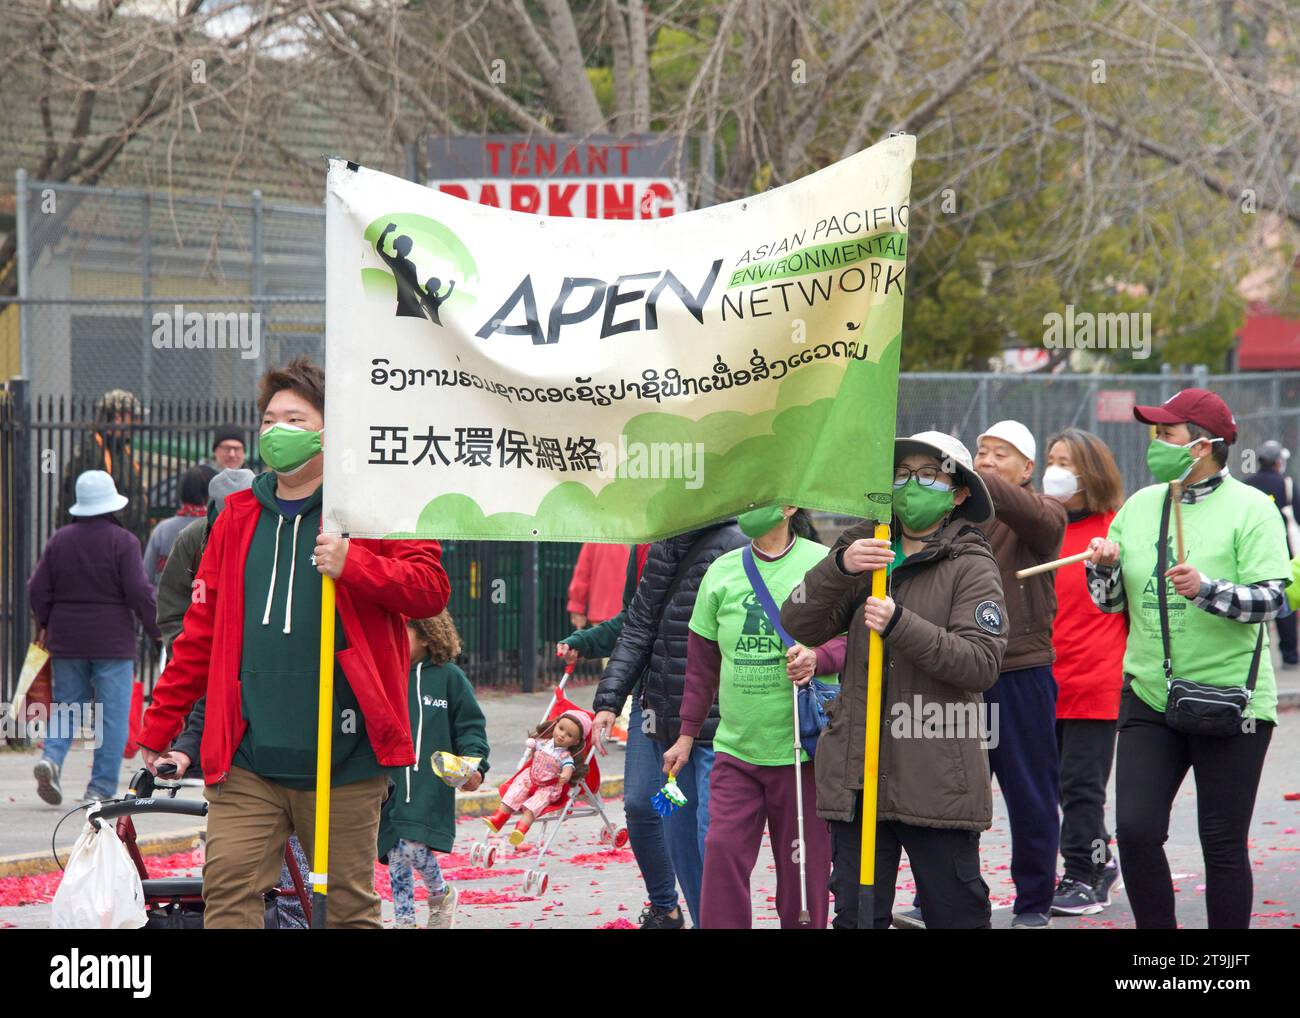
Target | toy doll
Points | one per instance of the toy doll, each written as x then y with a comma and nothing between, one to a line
554,758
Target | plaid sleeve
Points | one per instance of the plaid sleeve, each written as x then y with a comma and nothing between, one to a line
1241,602
1105,587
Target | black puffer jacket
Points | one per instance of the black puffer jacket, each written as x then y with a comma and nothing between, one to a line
653,642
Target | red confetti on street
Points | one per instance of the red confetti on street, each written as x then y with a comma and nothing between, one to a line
478,873
491,897
600,859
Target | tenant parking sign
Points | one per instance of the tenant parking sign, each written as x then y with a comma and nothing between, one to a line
593,177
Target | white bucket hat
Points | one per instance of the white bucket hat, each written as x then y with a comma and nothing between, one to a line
1015,435
978,507
96,495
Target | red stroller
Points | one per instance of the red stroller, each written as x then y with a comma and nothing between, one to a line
580,798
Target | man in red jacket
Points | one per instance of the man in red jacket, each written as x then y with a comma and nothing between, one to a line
251,642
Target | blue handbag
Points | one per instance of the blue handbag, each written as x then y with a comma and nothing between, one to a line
816,695
814,698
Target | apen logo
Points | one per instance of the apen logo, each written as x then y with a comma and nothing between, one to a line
416,248
102,972
428,266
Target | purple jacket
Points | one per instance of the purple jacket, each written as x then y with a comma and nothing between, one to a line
85,587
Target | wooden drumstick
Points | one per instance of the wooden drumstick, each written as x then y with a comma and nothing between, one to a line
1176,493
1047,567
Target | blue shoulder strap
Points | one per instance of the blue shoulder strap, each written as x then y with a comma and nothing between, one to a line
764,596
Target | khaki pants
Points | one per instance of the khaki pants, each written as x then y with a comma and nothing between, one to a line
249,821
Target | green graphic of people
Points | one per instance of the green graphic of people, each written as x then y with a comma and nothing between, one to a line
756,623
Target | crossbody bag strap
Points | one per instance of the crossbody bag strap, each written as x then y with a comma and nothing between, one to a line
1254,661
1162,565
764,595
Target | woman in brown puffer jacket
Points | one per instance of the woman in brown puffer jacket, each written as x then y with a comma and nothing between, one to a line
943,625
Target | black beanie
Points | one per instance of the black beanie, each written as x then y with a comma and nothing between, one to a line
229,433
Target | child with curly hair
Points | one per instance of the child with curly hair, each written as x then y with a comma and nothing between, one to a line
419,818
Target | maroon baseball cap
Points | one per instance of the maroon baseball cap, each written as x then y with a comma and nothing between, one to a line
1201,407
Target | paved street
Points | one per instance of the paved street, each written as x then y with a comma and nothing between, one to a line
592,886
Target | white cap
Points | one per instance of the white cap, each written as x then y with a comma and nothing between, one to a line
1015,435
96,495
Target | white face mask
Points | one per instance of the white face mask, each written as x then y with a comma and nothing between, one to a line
1060,483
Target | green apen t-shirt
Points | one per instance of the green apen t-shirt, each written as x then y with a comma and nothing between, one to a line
1235,533
754,692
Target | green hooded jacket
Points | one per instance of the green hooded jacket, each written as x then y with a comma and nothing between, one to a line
279,669
444,717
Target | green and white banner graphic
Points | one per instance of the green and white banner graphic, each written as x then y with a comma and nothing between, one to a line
493,374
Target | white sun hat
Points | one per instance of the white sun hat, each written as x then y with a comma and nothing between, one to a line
1015,435
978,507
96,495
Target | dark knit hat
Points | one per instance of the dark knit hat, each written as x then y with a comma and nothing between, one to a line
229,433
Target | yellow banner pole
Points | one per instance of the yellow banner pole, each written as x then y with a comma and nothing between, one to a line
871,757
324,755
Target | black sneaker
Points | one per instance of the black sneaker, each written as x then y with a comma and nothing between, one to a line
1074,897
1106,882
654,918
1032,921
48,788
909,919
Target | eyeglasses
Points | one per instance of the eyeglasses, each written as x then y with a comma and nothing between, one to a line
926,477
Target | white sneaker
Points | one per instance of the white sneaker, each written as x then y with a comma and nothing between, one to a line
442,910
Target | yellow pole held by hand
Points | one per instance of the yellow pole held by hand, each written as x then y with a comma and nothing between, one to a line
324,755
871,756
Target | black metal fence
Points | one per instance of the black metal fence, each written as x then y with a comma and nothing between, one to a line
509,599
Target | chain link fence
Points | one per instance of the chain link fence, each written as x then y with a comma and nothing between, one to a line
177,297
1266,406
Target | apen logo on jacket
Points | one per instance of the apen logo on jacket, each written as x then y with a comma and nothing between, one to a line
431,702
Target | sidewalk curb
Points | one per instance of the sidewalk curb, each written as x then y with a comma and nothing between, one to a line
470,804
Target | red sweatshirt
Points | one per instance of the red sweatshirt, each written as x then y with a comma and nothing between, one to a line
381,582
596,589
1089,644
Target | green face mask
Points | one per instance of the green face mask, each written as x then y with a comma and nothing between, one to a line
1169,462
286,448
918,508
758,522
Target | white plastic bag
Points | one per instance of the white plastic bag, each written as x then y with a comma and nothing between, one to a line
101,888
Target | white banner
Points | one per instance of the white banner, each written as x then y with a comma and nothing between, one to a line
504,375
